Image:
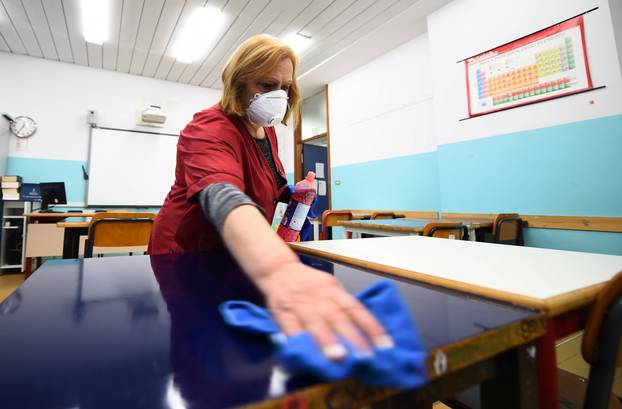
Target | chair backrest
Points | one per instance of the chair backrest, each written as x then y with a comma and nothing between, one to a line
330,219
382,215
116,229
508,229
601,343
599,310
444,230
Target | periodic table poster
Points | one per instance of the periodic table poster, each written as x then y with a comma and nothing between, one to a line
547,64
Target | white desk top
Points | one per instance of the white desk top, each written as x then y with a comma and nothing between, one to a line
512,273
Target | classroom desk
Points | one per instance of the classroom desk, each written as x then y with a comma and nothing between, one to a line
144,331
407,227
561,284
43,240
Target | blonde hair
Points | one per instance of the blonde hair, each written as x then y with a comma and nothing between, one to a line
254,58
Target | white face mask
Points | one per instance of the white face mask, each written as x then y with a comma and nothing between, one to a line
267,109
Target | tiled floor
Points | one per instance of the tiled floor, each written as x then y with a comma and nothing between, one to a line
568,349
569,358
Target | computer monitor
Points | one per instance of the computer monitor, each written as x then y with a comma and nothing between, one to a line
52,193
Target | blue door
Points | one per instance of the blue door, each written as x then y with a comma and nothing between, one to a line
315,157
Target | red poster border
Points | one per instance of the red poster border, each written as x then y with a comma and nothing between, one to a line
538,35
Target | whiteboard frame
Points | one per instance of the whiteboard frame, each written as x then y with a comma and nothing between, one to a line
90,141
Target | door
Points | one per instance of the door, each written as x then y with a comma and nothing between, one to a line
315,160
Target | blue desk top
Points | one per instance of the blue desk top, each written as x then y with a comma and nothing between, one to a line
143,331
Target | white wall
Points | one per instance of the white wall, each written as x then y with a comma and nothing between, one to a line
57,95
4,148
384,108
464,28
314,115
285,137
616,19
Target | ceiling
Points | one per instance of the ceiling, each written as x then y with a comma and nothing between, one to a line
143,32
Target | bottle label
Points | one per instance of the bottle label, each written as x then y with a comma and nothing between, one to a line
295,216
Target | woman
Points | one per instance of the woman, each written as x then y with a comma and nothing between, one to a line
227,182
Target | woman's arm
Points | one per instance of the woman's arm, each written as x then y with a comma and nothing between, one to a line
301,298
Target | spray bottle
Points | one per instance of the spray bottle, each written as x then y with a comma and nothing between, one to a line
297,209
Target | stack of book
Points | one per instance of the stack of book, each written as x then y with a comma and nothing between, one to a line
10,187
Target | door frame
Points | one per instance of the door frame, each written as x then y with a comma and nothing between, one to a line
298,156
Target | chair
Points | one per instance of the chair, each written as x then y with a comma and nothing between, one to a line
446,230
118,230
508,229
601,349
330,219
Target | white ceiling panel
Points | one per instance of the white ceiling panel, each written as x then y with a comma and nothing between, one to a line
111,46
255,26
3,45
294,8
73,20
237,14
95,55
41,28
55,18
258,25
130,24
15,9
161,38
148,25
143,33
9,34
332,12
166,61
361,22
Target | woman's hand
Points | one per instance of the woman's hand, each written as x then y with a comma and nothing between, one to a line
304,299
300,297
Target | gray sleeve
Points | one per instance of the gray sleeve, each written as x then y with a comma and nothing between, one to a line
219,199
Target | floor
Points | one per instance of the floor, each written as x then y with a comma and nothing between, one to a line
8,283
569,358
568,349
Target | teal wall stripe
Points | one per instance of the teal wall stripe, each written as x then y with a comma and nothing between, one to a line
406,182
576,240
570,169
34,170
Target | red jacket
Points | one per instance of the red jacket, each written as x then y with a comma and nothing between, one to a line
213,148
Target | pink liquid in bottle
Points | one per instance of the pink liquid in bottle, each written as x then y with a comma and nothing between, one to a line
297,209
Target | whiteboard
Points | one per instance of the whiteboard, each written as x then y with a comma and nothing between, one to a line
130,168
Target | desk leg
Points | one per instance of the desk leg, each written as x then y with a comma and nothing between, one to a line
558,327
516,383
71,241
547,369
27,267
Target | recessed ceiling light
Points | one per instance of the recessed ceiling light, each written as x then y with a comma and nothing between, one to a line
198,34
95,20
299,42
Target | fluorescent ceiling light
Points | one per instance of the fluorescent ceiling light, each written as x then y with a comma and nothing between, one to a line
95,20
198,34
298,42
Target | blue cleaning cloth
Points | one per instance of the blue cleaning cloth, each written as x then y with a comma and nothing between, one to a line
402,366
